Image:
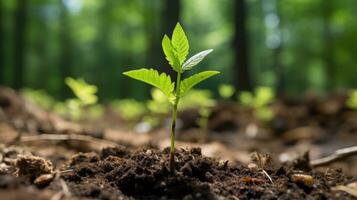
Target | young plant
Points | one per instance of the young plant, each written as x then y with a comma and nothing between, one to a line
176,51
351,102
204,102
259,101
39,97
226,91
85,96
129,109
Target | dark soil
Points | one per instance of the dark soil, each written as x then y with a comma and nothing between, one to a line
143,174
139,170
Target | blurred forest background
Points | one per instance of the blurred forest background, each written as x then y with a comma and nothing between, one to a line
293,46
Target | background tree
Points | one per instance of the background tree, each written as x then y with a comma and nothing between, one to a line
2,41
44,41
241,79
327,11
66,54
20,25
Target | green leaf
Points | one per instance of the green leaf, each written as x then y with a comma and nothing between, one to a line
194,60
191,81
180,43
226,90
169,53
83,91
150,76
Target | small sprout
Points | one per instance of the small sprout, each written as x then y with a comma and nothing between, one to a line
352,100
84,92
176,51
129,109
159,103
95,111
203,101
85,97
226,91
259,101
197,99
39,97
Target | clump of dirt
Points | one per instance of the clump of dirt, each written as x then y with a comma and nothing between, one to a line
144,174
33,167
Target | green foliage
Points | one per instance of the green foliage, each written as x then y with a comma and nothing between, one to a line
201,100
158,104
108,33
194,60
169,53
264,96
38,97
180,44
85,97
197,99
129,109
259,101
61,109
95,111
188,83
261,97
226,91
158,107
150,76
83,91
352,100
73,109
176,51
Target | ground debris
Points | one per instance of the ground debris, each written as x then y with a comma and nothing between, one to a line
350,188
32,166
143,174
304,179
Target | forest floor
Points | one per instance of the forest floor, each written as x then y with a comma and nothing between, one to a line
43,156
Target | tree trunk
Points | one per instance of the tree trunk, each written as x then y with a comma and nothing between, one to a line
241,74
280,72
65,62
42,52
2,45
328,39
20,16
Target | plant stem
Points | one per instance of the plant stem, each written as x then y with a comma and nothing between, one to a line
173,126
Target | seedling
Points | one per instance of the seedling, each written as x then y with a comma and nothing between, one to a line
226,91
85,96
352,100
129,109
158,104
39,97
259,101
203,101
176,51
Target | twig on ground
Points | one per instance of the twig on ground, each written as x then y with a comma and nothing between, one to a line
65,137
267,175
335,156
65,189
57,196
